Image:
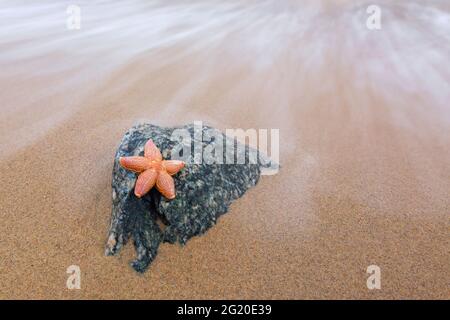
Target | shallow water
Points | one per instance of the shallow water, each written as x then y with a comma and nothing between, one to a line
269,51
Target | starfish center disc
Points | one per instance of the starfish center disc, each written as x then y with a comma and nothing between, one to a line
157,165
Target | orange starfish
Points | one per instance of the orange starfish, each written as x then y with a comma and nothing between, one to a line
153,170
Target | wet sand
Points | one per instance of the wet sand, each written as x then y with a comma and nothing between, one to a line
364,121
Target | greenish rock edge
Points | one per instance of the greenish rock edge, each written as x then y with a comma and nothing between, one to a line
203,193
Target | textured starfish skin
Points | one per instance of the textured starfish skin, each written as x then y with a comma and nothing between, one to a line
153,170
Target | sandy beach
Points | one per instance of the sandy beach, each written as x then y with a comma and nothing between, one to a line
364,120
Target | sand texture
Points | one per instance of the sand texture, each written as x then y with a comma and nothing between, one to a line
364,120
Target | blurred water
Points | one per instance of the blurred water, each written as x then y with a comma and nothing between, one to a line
282,49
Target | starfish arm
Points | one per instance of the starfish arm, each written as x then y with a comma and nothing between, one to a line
165,185
173,166
151,151
145,182
136,164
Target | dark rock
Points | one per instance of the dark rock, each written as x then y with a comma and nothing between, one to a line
203,191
